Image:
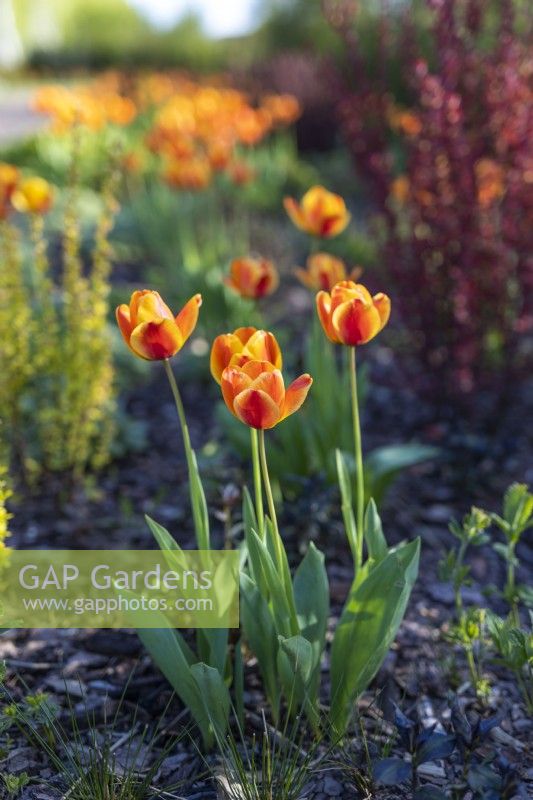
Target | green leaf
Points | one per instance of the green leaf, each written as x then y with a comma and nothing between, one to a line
238,683
367,627
213,647
199,506
249,518
161,535
383,465
311,597
260,631
347,503
295,667
215,696
174,662
517,508
263,564
374,537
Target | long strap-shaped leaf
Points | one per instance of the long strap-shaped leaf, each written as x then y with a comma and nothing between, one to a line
367,628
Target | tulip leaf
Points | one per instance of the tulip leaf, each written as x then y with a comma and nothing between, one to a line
374,537
347,502
383,464
161,535
260,631
249,517
367,627
199,505
238,682
213,647
295,667
172,659
260,555
214,694
311,597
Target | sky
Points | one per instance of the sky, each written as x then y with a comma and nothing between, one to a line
219,17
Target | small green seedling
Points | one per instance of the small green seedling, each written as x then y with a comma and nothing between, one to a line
516,518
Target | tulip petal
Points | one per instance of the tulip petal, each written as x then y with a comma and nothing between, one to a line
156,341
233,381
323,307
148,306
263,346
223,349
188,316
295,213
245,334
355,322
305,278
124,321
383,305
272,384
254,368
296,394
332,226
256,409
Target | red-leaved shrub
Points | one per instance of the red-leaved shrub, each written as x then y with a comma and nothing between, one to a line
453,177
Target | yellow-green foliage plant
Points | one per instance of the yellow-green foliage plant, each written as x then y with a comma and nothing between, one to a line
57,400
5,516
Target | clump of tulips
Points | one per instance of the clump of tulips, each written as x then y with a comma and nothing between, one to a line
284,614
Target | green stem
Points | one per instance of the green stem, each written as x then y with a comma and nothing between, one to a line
281,559
181,415
360,480
257,484
510,589
270,501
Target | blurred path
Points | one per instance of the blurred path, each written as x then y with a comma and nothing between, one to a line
17,120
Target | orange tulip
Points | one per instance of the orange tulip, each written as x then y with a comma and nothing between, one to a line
255,393
320,213
324,271
350,315
33,196
244,344
149,328
253,277
193,174
9,176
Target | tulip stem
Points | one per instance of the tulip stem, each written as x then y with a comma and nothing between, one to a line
181,412
360,479
257,484
270,496
281,557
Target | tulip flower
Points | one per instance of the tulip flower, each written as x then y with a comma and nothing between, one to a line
9,176
324,271
253,277
33,196
150,329
350,315
152,332
244,344
255,393
320,213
